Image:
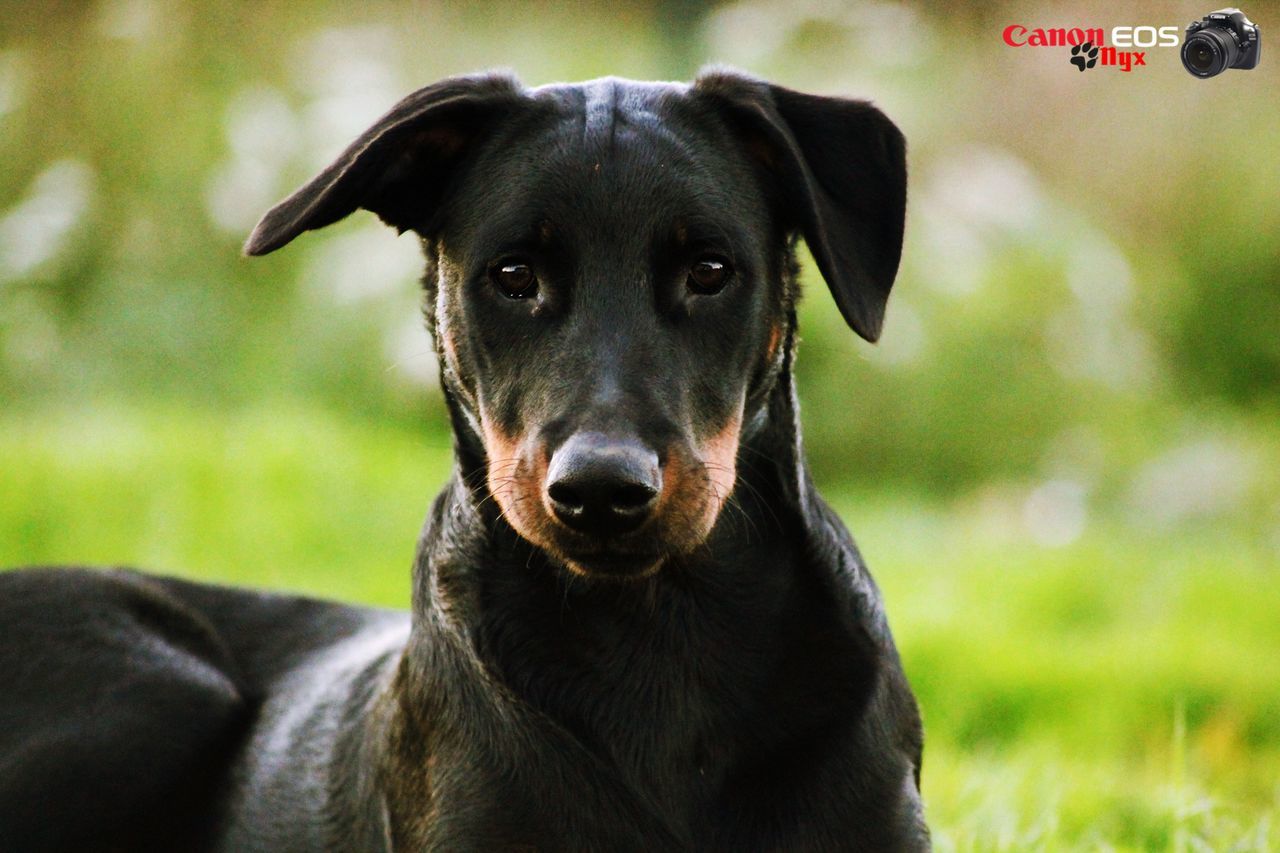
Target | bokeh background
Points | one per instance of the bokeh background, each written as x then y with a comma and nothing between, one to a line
1062,461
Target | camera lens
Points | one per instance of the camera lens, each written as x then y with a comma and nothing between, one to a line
1209,52
1200,57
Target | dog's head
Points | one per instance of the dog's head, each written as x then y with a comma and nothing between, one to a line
610,280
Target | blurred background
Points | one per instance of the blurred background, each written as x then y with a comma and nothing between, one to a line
1062,461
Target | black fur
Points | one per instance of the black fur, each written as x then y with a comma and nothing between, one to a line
721,679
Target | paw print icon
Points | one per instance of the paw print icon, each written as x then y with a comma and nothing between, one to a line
1084,55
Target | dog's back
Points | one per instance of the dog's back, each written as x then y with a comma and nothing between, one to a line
132,706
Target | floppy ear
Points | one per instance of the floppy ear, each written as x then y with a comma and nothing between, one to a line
841,172
400,167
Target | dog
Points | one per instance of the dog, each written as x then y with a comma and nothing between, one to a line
635,625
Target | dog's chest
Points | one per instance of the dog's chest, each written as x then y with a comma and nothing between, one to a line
680,704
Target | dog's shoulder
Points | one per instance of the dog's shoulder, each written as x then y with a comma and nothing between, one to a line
889,734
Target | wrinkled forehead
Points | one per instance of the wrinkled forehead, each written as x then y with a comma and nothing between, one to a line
612,160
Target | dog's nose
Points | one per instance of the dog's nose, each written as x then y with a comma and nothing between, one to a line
602,485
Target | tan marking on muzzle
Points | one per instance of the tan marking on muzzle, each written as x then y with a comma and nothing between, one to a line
720,459
515,480
699,480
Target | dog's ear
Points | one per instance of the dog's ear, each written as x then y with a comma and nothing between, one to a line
400,167
840,172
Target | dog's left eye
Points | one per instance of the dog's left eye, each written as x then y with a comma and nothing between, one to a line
709,275
515,279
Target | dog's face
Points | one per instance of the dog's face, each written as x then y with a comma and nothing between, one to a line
610,281
605,301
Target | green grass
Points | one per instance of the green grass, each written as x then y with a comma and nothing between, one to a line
1121,693
276,497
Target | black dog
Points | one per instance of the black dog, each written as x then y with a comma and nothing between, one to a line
635,624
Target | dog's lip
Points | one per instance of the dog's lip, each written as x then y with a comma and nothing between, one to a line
622,566
613,558
642,541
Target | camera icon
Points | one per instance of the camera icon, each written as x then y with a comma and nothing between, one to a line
1221,40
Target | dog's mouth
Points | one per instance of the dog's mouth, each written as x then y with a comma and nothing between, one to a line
612,562
629,559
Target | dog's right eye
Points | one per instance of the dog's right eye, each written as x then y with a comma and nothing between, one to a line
515,279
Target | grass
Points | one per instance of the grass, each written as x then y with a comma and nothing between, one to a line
1117,694
1120,693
